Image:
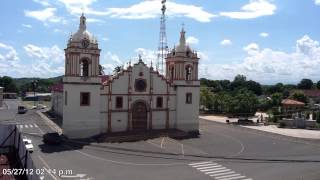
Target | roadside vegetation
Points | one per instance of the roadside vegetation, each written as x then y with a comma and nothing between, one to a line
242,97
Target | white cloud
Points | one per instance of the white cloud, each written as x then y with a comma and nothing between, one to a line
53,54
45,15
76,7
270,66
150,9
226,42
317,2
8,53
264,34
192,40
27,25
251,47
42,2
94,20
254,9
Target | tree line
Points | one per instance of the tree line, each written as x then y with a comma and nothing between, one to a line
242,97
21,85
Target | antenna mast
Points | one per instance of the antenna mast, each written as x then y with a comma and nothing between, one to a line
163,47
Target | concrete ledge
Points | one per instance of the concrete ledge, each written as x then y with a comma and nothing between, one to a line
51,124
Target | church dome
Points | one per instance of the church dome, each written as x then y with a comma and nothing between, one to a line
82,32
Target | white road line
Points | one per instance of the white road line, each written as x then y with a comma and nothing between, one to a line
208,167
200,163
220,171
20,126
203,165
31,126
233,178
247,179
221,174
162,141
228,176
213,169
35,125
26,126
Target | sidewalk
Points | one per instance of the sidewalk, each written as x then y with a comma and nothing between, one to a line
297,133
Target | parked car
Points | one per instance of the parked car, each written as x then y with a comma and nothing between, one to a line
22,109
39,106
28,143
52,139
245,121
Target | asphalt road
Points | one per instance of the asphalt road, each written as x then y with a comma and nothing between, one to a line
222,152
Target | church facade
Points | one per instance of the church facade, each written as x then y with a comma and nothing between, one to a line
137,98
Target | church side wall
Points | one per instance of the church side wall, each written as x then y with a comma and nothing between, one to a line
81,121
57,103
188,114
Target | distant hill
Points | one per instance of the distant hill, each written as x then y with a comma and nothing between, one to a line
25,84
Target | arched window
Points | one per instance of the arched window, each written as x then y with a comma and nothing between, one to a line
188,73
84,71
171,72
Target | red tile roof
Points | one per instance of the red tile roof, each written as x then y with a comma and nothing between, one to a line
292,102
312,93
57,87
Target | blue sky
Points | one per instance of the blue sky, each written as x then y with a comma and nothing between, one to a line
267,40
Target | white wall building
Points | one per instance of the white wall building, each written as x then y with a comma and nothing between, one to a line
138,98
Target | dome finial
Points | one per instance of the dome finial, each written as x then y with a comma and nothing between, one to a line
83,25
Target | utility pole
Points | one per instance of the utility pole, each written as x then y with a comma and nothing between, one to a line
163,47
34,86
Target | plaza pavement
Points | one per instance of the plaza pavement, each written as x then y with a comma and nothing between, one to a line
296,133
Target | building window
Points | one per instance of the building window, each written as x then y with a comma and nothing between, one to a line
84,71
140,85
188,73
171,72
65,98
189,98
119,102
84,99
159,102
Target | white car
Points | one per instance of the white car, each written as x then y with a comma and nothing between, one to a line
28,144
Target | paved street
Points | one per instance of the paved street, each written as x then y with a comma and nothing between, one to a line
222,152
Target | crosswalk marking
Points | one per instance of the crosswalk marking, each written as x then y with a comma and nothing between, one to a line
233,178
200,163
213,169
217,171
221,174
227,176
209,167
203,165
21,126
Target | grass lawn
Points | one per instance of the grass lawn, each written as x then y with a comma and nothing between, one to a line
30,104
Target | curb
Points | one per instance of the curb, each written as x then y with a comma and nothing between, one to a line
51,124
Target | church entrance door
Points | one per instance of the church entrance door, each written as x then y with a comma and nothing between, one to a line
139,116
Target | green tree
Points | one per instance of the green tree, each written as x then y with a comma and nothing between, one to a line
206,98
318,84
299,96
8,84
276,99
242,103
305,84
254,87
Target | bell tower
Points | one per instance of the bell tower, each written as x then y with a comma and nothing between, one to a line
81,83
182,62
182,70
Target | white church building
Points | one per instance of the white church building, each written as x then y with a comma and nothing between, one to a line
138,98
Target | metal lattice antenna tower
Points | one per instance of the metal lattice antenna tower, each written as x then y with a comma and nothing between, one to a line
163,47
